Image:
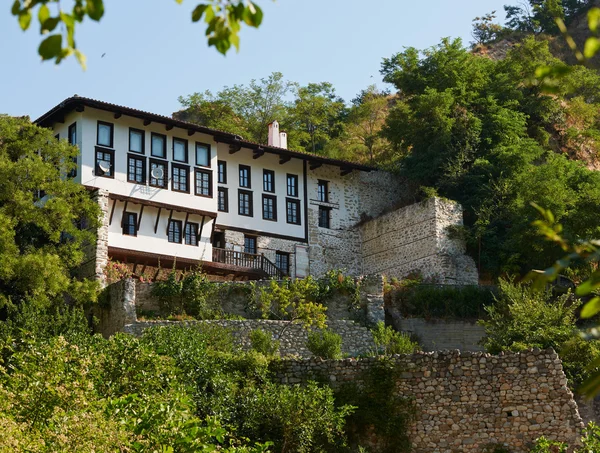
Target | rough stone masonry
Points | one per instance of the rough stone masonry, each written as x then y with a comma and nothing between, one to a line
470,400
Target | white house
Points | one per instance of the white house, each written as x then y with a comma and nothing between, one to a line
176,193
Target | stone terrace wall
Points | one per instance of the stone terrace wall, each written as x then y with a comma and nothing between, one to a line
356,339
417,238
465,401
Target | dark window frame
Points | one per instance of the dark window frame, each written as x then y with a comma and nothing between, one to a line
222,164
175,222
274,199
165,164
112,134
73,141
279,254
164,150
254,239
325,193
249,177
141,131
210,182
186,168
126,215
97,171
270,173
137,157
191,225
328,211
250,202
209,154
295,178
296,202
187,151
225,191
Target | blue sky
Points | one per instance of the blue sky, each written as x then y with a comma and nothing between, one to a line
153,53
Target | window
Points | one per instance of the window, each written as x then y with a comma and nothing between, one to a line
292,185
73,141
158,173
180,150
222,172
269,207
158,145
136,141
223,202
203,183
282,261
269,181
136,169
175,231
202,154
105,162
130,223
245,176
245,203
293,211
105,134
250,244
323,191
324,217
191,233
180,178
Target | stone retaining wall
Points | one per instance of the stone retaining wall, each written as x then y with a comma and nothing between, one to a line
467,401
356,339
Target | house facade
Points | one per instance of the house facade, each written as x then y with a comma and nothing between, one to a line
178,194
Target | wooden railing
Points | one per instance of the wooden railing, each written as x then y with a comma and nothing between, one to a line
247,260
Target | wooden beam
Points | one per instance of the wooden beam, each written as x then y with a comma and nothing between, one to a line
112,211
169,127
212,232
157,219
315,165
118,115
123,213
234,148
169,221
187,217
191,132
284,159
345,171
199,235
80,108
140,218
61,119
258,153
147,122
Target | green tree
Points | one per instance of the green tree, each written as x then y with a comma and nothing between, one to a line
485,30
223,20
317,115
41,211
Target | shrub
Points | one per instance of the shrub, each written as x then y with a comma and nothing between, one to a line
115,271
263,342
543,445
325,344
388,341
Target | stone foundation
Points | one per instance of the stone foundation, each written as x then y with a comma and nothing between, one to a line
467,401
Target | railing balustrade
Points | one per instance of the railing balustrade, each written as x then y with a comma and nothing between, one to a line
247,260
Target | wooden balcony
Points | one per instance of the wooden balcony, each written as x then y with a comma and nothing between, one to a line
248,261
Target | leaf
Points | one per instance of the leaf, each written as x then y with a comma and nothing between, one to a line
43,15
81,58
253,15
16,8
591,47
594,19
587,287
50,24
95,9
24,19
591,308
198,12
50,47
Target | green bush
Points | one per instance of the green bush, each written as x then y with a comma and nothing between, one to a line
543,445
412,299
388,341
263,342
325,344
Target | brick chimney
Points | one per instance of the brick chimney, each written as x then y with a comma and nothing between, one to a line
274,137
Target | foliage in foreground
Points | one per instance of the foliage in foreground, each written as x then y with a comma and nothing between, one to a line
524,317
590,442
325,344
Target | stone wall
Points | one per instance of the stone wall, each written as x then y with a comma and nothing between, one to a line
436,334
116,309
356,339
470,400
96,254
418,238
